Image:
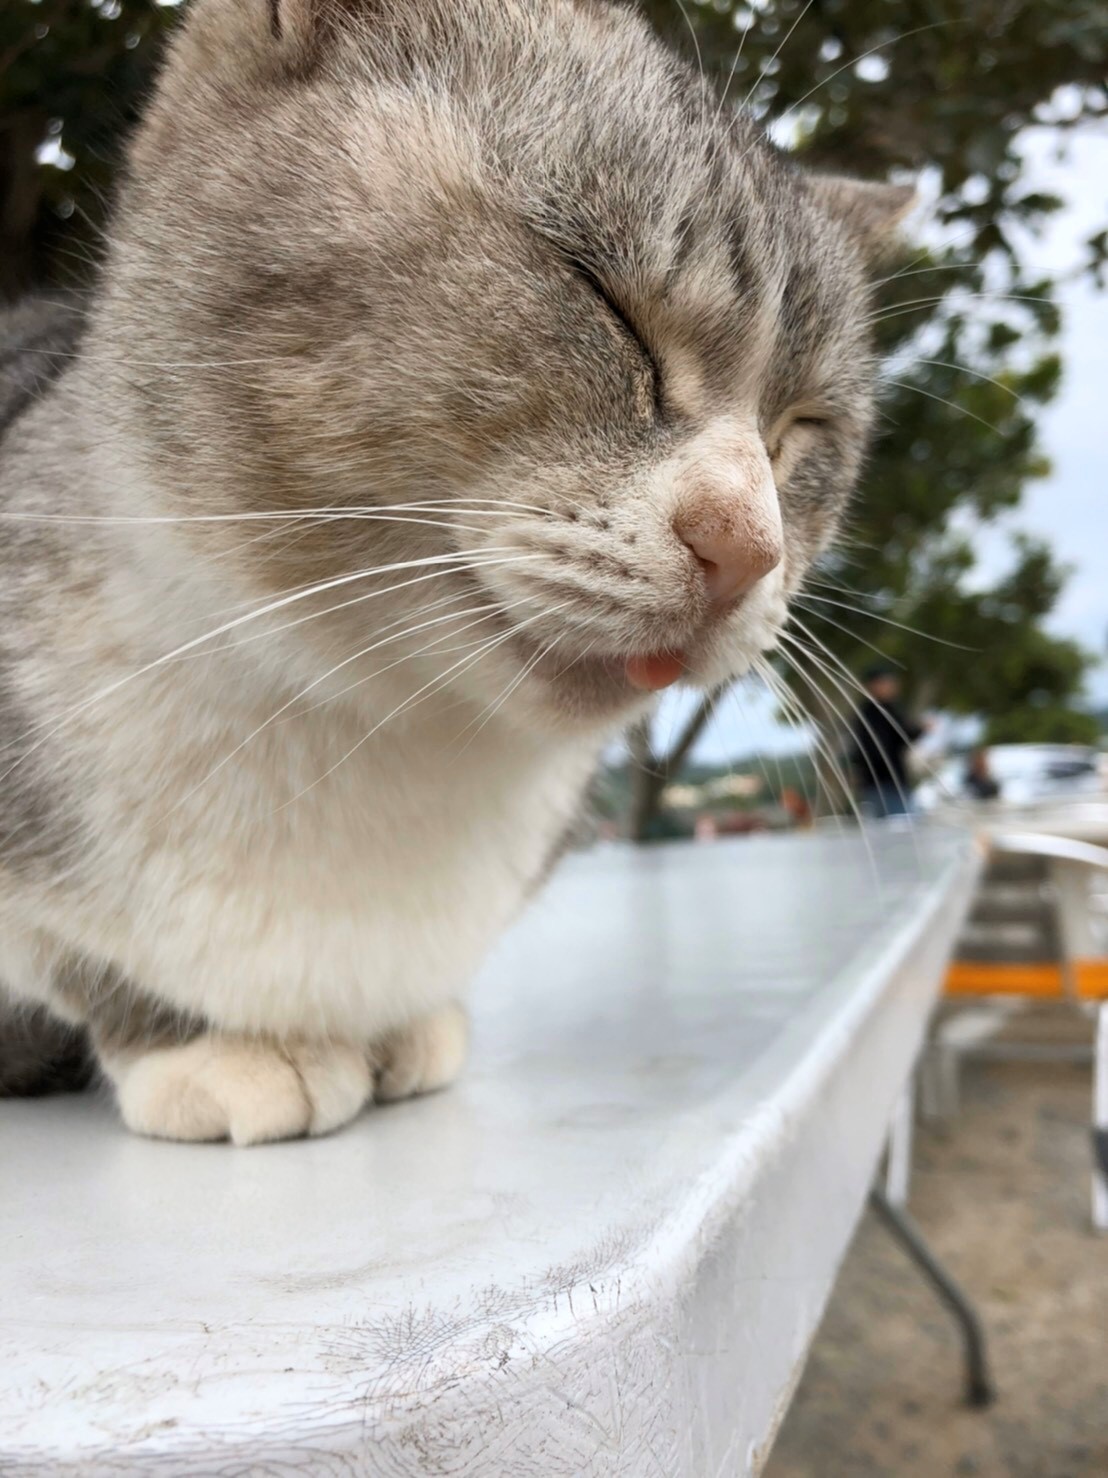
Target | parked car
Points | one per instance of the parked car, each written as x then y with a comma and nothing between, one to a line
1024,772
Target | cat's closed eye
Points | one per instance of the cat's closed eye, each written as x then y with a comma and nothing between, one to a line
597,288
784,438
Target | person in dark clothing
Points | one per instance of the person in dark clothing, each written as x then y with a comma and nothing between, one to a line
883,734
979,782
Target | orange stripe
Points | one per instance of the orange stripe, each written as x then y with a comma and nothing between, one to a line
980,978
1092,979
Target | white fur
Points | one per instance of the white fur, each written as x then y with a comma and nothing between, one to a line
424,1056
564,337
244,1091
250,1090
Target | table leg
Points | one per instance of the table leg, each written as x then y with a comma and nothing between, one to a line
979,1387
898,1154
1100,1120
1072,884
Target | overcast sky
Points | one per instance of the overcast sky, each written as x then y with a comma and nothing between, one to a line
1070,507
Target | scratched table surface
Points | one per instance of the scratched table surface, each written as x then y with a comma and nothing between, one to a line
604,1252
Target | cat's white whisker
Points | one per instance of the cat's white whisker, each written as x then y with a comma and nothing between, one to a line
854,60
764,670
962,266
840,666
856,713
842,779
421,610
966,369
943,400
885,620
370,513
468,567
807,729
723,99
266,609
734,693
695,38
882,315
799,600
490,711
420,695
766,69
317,682
493,609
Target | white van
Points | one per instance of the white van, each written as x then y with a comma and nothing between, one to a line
1024,772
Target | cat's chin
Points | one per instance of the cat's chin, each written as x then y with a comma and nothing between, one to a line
585,690
603,691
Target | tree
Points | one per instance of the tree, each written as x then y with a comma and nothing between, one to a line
1043,725
73,74
941,88
652,771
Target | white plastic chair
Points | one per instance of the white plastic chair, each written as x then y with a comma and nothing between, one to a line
1071,862
1071,865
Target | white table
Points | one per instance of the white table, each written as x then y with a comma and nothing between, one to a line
1082,818
1044,829
605,1252
1079,818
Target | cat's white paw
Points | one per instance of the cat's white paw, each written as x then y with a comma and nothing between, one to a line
246,1091
425,1055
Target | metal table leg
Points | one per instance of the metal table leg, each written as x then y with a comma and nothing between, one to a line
1100,1121
898,1152
979,1387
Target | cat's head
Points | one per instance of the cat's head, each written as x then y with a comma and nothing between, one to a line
502,285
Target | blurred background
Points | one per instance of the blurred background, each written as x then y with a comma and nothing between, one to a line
976,559
968,597
974,562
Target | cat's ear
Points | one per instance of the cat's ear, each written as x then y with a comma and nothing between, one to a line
301,27
870,212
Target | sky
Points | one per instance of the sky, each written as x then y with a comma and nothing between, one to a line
1069,508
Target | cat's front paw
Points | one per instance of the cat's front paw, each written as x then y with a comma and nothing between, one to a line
423,1056
247,1091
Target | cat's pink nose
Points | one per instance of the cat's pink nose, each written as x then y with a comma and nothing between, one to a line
734,543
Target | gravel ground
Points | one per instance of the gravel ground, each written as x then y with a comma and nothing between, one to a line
1003,1196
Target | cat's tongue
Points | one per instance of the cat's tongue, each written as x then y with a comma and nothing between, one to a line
656,671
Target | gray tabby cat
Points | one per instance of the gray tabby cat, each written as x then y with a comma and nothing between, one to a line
461,373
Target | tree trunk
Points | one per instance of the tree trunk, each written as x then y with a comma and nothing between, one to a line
645,786
20,199
650,774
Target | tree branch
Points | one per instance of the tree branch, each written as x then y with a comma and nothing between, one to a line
651,773
671,764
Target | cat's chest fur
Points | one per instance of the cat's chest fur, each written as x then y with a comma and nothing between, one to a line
211,822
311,887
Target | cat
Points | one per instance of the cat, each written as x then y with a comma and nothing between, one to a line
460,374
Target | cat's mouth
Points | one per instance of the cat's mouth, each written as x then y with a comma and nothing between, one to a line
574,678
654,671
590,683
